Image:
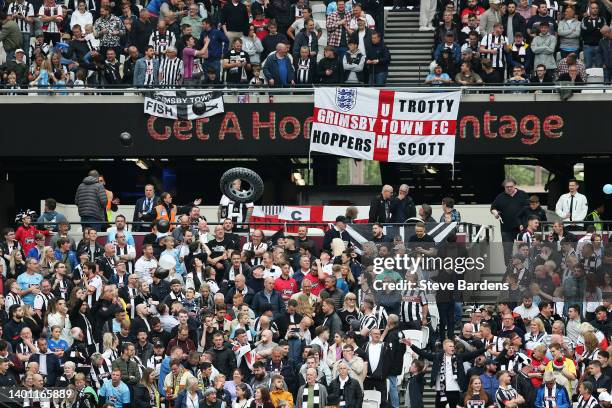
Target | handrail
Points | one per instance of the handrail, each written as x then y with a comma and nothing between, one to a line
110,90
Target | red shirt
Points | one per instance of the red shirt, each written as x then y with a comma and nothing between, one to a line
261,28
317,287
27,237
467,11
537,382
286,287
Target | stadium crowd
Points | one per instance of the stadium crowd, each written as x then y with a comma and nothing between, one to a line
518,42
172,43
199,319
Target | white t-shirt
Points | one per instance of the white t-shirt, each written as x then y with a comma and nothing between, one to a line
525,313
142,268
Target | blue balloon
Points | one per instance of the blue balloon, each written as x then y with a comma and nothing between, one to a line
607,189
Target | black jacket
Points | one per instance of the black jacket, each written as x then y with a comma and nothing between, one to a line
53,367
367,38
103,311
283,322
519,25
527,212
394,352
401,210
381,53
224,360
437,359
332,233
353,394
332,64
378,212
90,199
138,209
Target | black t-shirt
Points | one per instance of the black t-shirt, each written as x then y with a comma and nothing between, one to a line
217,248
236,75
476,402
347,317
424,238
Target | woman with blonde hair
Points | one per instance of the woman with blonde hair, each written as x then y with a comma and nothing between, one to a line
31,320
110,342
304,306
17,264
47,261
349,311
590,352
536,334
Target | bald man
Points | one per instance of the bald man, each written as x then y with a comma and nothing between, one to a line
380,207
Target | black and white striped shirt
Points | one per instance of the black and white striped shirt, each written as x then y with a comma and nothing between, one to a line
504,394
411,309
368,321
26,9
171,72
381,316
149,72
161,42
302,73
41,301
590,403
491,42
50,26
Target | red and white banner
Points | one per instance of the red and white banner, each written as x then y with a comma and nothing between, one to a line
385,125
290,216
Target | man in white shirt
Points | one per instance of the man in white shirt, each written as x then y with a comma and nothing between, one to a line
527,309
572,206
146,265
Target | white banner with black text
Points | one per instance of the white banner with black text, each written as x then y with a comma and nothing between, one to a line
183,105
385,125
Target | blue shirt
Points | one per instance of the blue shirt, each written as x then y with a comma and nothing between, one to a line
25,280
110,236
115,395
56,345
282,71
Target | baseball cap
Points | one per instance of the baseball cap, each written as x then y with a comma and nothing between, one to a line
158,344
490,361
209,390
19,50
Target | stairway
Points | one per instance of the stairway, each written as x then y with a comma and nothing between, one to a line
410,49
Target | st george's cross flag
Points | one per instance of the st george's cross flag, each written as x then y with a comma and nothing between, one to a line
385,125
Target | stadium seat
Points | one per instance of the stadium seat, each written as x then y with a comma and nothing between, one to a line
318,9
595,75
371,399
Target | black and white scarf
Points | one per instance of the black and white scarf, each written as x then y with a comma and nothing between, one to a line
315,398
442,375
100,373
550,397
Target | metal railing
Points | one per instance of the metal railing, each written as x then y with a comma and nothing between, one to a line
235,90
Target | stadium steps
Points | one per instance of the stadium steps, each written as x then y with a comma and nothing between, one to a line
410,49
429,393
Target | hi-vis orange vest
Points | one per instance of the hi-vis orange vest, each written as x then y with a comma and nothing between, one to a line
162,214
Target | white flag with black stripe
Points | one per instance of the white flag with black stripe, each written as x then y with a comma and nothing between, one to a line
184,105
